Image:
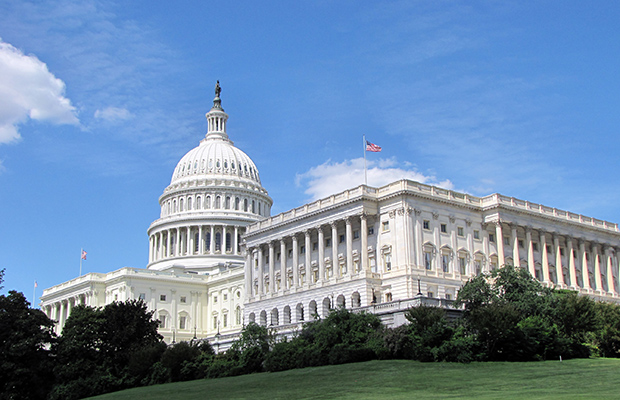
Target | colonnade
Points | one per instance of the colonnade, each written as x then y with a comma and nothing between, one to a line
60,310
287,263
195,241
565,261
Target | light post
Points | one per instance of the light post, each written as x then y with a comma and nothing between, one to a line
419,289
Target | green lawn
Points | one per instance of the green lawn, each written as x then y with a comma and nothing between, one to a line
398,379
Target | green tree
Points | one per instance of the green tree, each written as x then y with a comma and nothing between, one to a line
26,335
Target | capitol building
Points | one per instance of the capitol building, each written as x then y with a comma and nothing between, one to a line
218,259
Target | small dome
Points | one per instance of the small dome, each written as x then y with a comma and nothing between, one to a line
215,157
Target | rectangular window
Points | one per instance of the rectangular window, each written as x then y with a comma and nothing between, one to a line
182,323
444,228
549,249
445,263
426,225
225,320
506,241
290,253
215,299
183,299
561,251
535,246
162,321
428,260
491,238
460,231
278,256
462,265
371,231
214,322
142,296
302,249
429,294
328,242
341,239
225,296
477,234
521,243
162,297
386,226
448,296
478,267
388,262
315,246
356,234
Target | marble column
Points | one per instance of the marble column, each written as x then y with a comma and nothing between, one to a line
598,282
572,270
295,262
321,254
272,267
364,243
283,274
516,260
585,274
349,238
544,256
261,273
531,264
499,240
335,262
308,265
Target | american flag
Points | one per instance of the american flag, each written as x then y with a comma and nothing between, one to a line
36,285
372,147
84,255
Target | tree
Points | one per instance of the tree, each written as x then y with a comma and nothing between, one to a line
26,335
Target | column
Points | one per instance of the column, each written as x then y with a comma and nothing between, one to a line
572,270
545,257
335,261
248,273
321,254
499,240
212,250
598,282
516,260
261,274
531,265
437,241
236,241
559,270
418,239
307,261
295,262
611,288
585,274
151,241
188,243
201,244
485,248
364,243
272,267
470,248
224,241
178,246
283,274
349,238
168,243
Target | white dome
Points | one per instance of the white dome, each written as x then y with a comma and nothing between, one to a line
215,157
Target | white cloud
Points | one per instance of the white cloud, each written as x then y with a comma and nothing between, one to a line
29,90
113,114
333,177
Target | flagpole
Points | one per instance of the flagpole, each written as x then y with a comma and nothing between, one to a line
364,146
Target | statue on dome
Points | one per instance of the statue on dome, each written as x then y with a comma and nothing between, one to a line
218,89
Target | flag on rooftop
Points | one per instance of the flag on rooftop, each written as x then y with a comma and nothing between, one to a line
36,285
84,255
372,147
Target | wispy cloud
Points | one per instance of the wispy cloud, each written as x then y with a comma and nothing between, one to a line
333,177
113,114
29,90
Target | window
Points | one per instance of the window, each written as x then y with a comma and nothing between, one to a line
115,297
462,265
238,315
535,246
215,299
521,243
182,322
476,234
426,224
448,296
277,258
328,242
478,267
142,296
162,297
302,249
491,238
460,231
445,263
428,259
215,322
162,321
183,299
386,226
290,253
429,294
388,262
315,246
444,228
225,296
225,320
341,239
371,231
549,249
506,241
356,234
561,251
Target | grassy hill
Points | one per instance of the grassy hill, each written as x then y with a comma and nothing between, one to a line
399,379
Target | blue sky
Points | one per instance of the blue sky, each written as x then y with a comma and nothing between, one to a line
100,99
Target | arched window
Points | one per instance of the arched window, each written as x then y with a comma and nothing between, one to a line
227,202
237,203
238,315
253,207
189,204
218,241
196,242
217,203
198,202
208,202
245,205
208,241
174,206
300,312
259,208
181,205
228,242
